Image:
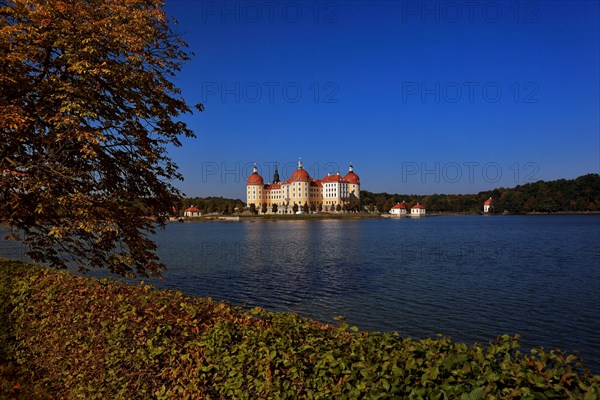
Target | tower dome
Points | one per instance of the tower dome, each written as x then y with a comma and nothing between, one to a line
351,176
300,175
255,178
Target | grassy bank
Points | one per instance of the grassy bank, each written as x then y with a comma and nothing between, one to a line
64,336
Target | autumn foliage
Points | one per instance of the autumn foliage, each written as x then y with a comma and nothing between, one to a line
68,337
87,110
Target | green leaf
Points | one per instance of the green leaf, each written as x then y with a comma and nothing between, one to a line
475,394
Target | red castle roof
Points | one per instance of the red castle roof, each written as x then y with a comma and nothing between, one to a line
255,179
351,177
333,178
300,175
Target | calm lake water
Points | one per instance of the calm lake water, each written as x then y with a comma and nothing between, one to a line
469,277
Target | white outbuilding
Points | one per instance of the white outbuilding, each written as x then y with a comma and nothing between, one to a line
399,209
487,205
192,212
417,210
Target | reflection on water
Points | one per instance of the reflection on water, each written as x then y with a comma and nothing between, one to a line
471,278
281,263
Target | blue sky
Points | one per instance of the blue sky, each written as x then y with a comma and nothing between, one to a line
422,97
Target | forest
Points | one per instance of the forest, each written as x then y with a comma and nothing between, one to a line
208,205
562,195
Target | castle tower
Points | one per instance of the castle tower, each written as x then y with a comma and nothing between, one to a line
254,188
276,175
299,186
353,183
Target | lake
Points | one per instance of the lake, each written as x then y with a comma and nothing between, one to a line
469,277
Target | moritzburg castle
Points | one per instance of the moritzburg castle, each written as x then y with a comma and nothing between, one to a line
301,189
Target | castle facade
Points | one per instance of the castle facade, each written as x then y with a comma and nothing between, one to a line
301,189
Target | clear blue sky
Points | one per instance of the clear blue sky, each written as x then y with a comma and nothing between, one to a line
422,97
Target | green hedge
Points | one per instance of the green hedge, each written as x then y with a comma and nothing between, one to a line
68,337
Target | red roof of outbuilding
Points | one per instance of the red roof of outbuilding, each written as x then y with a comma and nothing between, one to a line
488,202
417,206
398,206
192,209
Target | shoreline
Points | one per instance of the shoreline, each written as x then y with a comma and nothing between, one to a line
355,216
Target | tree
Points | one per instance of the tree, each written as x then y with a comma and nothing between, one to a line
295,208
87,111
313,207
274,208
240,207
264,208
338,208
253,209
387,206
305,208
530,204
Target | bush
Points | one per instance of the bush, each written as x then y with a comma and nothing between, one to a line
76,337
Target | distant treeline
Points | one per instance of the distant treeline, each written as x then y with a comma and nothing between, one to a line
580,194
211,204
